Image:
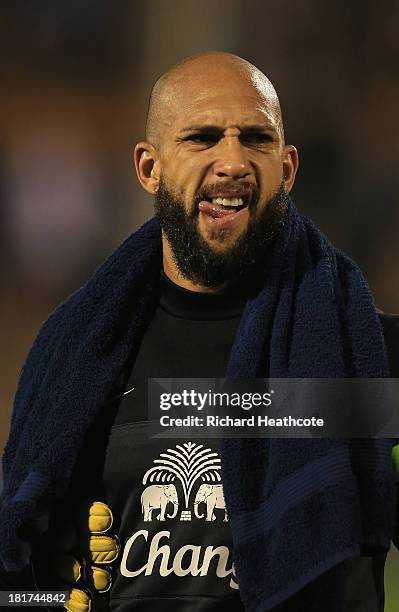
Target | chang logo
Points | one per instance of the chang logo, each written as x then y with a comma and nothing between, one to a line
183,484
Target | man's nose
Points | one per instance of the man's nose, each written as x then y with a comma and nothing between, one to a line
232,162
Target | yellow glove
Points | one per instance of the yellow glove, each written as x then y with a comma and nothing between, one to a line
81,559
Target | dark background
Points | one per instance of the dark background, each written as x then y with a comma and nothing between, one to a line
74,82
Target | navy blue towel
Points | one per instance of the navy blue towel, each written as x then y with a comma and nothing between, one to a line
297,508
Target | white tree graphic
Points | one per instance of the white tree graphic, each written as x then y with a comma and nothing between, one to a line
188,463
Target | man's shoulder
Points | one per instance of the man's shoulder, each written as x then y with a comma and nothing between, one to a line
390,326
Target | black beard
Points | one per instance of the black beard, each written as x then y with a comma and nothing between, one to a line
196,260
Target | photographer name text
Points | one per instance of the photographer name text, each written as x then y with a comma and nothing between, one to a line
252,421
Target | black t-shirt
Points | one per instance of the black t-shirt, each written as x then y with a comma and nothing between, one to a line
176,549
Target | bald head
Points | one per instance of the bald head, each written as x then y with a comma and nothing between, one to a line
187,80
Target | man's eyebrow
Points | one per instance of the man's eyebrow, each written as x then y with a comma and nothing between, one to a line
203,128
253,128
256,128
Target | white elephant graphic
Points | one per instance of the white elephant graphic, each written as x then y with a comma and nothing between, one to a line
158,496
212,495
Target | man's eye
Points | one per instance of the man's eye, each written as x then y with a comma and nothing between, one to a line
257,138
202,138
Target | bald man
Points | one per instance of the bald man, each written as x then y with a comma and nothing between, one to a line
250,170
227,279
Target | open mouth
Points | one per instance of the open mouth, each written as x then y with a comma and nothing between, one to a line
224,205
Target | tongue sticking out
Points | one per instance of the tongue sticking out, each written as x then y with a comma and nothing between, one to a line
215,210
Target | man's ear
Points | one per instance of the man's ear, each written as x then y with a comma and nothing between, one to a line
146,162
290,166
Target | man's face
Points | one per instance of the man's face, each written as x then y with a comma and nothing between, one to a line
224,146
219,164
